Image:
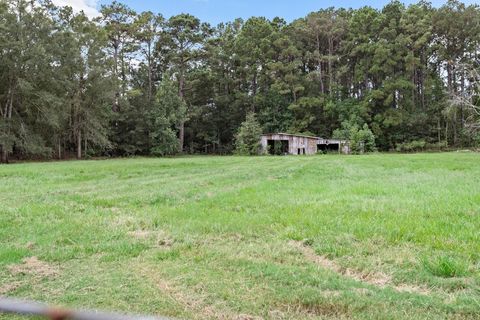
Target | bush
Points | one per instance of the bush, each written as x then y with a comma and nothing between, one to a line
247,140
412,146
438,146
476,140
361,139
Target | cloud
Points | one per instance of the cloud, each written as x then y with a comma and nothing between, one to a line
87,6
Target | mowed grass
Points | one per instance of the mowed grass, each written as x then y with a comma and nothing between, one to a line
322,237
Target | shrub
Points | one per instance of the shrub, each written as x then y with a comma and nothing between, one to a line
247,140
438,146
412,146
361,139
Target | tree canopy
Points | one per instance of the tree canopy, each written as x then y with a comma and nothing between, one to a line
129,83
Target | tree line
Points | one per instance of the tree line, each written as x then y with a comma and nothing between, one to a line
128,83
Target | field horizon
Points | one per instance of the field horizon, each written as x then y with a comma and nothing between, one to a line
227,237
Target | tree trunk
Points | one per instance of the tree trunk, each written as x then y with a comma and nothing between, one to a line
124,73
455,134
319,62
254,89
449,78
85,145
462,111
149,72
10,109
439,128
7,104
59,151
330,72
422,86
181,138
414,82
116,103
79,144
7,115
446,133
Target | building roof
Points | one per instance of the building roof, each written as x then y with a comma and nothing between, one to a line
291,135
304,136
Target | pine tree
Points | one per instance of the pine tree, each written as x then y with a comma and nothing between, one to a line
247,140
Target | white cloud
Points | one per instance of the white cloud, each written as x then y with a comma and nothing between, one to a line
87,6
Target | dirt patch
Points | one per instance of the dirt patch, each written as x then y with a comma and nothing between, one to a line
140,234
323,310
362,291
331,293
192,301
247,317
33,266
412,289
9,287
30,245
122,221
201,306
210,194
161,238
189,302
377,279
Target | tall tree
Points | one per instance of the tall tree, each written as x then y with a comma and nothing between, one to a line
180,43
169,111
81,65
118,19
147,31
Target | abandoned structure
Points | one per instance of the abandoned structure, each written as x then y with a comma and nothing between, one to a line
284,143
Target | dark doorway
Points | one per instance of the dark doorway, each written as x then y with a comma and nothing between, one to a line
277,147
333,147
301,151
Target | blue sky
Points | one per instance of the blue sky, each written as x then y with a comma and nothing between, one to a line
215,11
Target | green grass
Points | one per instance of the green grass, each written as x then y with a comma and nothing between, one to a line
323,237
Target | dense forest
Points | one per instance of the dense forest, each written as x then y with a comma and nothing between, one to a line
129,83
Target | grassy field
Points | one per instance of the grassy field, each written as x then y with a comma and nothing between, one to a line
321,237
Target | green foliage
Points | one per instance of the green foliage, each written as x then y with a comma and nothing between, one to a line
305,111
361,138
168,112
476,139
69,84
412,146
445,266
247,140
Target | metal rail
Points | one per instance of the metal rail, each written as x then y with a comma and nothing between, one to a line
29,308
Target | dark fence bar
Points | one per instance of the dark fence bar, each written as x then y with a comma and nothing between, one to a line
29,308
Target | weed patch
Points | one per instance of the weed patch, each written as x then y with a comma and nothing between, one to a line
445,266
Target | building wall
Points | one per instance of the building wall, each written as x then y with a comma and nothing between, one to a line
294,143
345,148
308,145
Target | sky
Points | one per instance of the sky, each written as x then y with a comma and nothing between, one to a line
216,11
